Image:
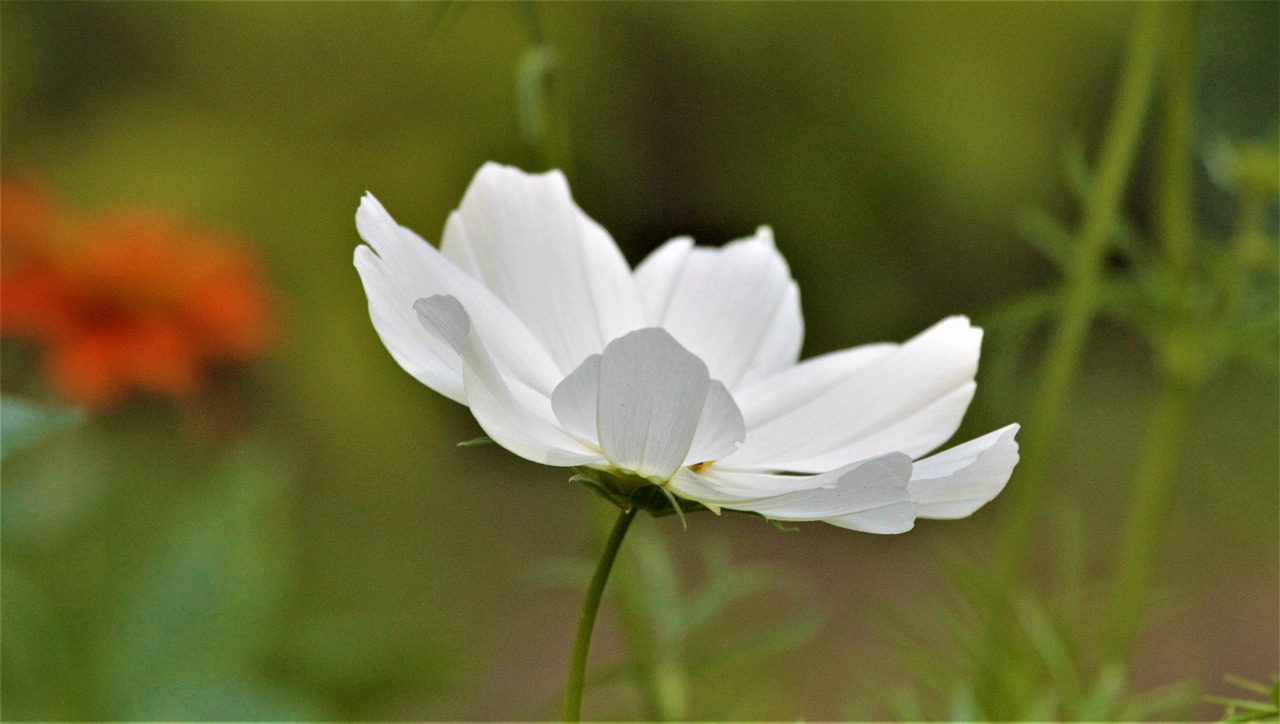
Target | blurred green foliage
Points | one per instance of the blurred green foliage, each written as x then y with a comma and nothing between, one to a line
335,556
23,423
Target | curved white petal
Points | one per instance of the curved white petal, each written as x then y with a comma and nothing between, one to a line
515,424
870,495
908,398
956,482
398,268
652,392
523,236
418,352
720,427
735,307
795,387
576,399
642,420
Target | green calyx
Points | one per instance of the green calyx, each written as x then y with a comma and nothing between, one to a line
630,491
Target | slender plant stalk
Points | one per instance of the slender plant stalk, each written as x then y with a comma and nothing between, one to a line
1124,131
1182,365
587,619
551,112
1080,305
1144,522
648,625
1171,204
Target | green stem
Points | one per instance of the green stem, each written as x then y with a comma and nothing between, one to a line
1172,204
1084,278
1146,515
1081,299
587,619
551,111
1181,349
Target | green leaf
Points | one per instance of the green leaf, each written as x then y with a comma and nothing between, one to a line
532,78
476,441
1048,237
24,423
964,704
1050,644
182,639
43,679
783,636
727,584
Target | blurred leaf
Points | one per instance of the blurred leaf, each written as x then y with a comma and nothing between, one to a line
358,654
56,487
1051,645
1168,703
445,17
1071,559
964,704
223,695
475,441
532,78
1048,237
1075,168
40,672
727,584
783,636
24,423
907,706
1242,710
655,621
1103,700
184,635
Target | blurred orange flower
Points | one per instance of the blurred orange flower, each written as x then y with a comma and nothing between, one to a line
127,302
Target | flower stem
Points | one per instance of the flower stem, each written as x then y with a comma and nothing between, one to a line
1082,289
1180,348
1172,203
587,619
1084,278
1146,514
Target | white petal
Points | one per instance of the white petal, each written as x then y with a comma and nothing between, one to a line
794,387
406,268
515,424
908,398
575,400
652,392
870,495
720,427
418,352
560,272
735,307
956,482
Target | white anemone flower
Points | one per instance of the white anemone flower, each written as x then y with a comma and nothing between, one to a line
683,373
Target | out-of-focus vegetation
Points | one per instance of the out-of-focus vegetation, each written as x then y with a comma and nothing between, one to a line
301,538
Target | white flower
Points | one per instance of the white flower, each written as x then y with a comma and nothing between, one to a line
684,372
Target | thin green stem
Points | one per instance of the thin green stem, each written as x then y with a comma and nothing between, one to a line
1181,352
1124,131
587,619
1172,204
1081,300
1146,516
542,111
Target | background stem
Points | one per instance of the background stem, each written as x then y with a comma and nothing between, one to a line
1180,353
1082,285
1146,514
1024,496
